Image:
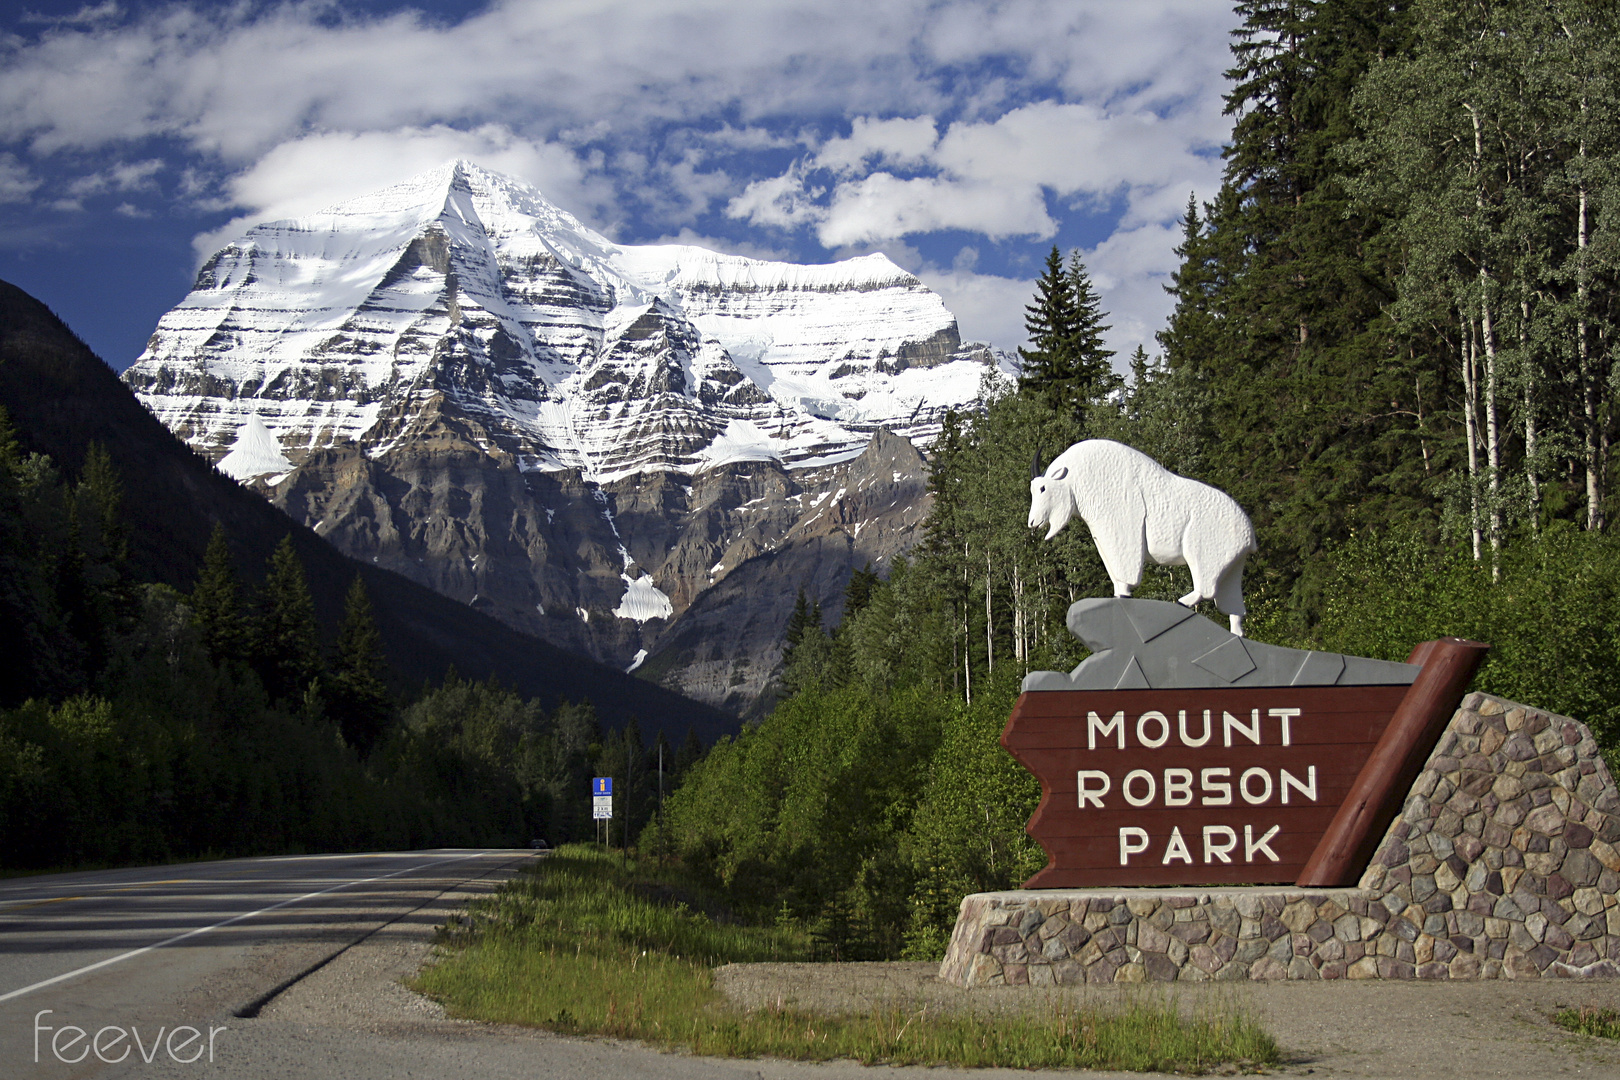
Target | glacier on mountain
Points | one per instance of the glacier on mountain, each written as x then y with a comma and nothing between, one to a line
572,352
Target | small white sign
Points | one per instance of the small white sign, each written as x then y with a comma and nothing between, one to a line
601,807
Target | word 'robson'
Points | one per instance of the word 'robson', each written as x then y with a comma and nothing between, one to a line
1140,787
1219,842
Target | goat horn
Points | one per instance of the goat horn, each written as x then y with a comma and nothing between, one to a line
1035,464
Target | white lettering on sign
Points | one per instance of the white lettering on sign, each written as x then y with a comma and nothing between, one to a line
1176,849
1250,731
1307,789
1220,844
1181,725
1250,796
1095,727
1164,729
1094,795
1177,787
1125,788
1251,845
1153,729
1132,841
1223,851
1141,788
1284,715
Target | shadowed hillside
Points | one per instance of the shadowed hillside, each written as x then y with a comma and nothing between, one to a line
62,397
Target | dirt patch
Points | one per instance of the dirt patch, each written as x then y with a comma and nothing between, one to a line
1461,1030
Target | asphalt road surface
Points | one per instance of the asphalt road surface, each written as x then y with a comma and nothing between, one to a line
286,969
291,969
170,963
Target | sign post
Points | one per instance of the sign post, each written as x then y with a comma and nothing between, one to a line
602,799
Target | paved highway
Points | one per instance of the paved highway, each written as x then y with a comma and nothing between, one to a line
128,954
286,969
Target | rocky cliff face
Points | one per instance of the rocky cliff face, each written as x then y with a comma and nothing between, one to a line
631,452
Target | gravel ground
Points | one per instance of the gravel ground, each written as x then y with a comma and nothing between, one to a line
355,1017
1352,1029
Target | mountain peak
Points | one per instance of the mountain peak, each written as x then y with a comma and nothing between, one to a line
469,282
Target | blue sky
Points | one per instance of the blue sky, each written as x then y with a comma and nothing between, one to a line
963,139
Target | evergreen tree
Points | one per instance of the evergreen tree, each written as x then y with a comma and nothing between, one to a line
1066,364
798,623
286,638
358,697
690,753
858,593
216,603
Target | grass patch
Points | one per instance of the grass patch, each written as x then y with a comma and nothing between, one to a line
1590,1020
586,943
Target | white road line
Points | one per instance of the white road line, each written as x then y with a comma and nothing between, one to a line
235,919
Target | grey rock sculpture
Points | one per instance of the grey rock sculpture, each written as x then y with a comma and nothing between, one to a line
1155,645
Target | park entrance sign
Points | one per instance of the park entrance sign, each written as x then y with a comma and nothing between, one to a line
1181,754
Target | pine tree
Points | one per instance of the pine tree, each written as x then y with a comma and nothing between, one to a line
798,622
858,593
216,603
286,637
1067,364
1092,379
690,753
1050,322
358,697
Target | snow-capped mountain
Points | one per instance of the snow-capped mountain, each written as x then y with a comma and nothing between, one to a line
456,379
576,353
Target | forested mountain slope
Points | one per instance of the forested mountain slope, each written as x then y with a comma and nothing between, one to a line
61,398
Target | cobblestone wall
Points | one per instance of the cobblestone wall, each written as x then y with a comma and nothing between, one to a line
1503,863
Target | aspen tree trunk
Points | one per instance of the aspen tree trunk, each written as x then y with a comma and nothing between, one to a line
989,622
1487,331
1595,455
967,640
1530,418
1423,438
1589,385
1493,434
1470,379
1017,614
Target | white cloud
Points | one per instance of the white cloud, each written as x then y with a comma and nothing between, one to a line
783,201
1130,270
898,142
17,182
882,206
987,307
309,174
993,177
124,176
1000,118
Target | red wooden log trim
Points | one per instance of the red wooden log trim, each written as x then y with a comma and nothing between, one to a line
1376,796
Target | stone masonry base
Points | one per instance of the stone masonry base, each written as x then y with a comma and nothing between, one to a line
1504,862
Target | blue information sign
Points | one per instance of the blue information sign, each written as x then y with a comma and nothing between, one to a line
602,785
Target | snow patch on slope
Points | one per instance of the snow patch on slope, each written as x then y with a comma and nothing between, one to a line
643,600
741,441
255,453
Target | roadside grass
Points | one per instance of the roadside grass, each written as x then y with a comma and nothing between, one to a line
585,943
1591,1020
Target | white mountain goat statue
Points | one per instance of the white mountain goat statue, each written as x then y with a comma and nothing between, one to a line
1135,507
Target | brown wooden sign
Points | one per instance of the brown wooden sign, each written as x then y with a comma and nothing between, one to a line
1226,785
